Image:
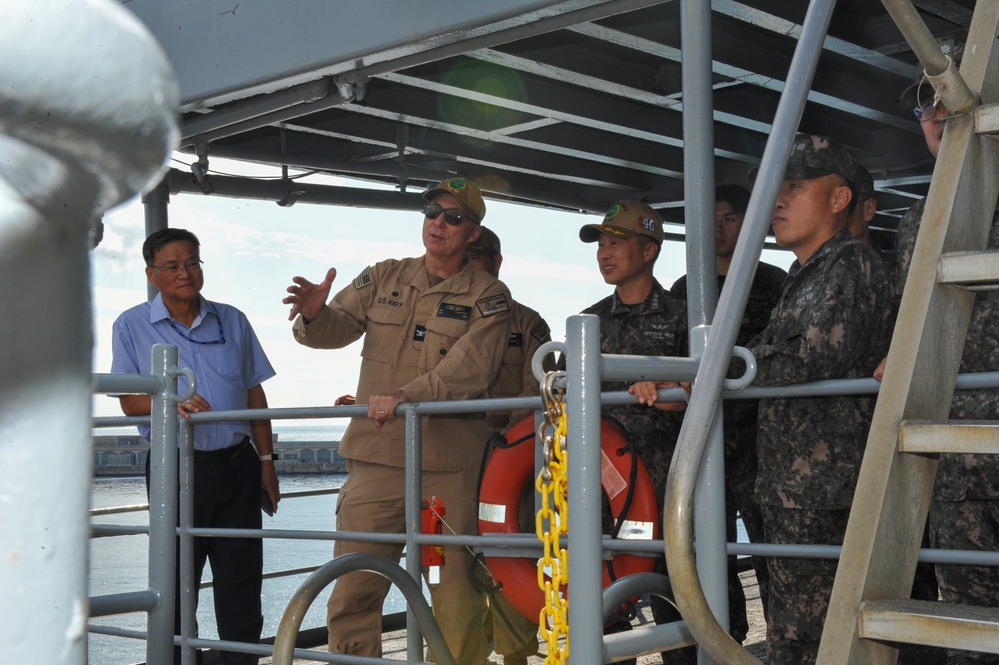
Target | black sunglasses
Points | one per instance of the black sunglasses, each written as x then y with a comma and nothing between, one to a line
452,216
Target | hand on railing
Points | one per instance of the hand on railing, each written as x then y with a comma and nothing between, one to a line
648,394
879,373
381,408
195,404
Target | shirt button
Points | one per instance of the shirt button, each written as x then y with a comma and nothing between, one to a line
443,352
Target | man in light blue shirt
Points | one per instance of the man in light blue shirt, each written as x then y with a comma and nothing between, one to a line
219,345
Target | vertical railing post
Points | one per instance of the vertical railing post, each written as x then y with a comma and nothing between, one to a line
80,132
162,505
583,370
188,583
414,558
702,290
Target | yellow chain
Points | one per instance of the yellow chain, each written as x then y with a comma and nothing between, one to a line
553,487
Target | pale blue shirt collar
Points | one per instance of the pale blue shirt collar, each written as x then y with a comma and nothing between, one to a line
158,310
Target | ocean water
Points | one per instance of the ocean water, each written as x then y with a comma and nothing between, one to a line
309,432
120,563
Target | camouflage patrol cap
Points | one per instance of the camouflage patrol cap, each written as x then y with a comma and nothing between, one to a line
863,183
465,191
626,219
488,243
814,156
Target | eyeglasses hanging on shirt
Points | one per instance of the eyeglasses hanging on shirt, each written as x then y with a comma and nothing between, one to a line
220,340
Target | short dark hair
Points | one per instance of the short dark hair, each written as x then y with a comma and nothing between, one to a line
645,240
159,238
736,196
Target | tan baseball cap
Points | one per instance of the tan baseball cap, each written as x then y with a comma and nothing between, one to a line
465,191
488,242
626,219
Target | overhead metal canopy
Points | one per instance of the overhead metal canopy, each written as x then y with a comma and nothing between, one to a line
570,104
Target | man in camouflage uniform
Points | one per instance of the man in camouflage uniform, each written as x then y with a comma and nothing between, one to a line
832,322
859,224
739,416
964,513
513,635
865,208
528,331
640,318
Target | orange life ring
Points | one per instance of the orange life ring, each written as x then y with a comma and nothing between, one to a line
504,481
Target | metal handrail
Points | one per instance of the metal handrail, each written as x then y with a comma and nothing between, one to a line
614,645
299,604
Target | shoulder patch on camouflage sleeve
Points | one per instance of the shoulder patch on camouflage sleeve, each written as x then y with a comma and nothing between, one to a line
364,279
496,304
541,332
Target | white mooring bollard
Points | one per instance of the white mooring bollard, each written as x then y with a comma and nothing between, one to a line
87,118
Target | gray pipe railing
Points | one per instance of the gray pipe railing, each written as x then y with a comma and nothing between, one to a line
940,70
702,294
306,594
617,646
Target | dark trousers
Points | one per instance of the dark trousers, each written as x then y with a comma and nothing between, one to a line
227,495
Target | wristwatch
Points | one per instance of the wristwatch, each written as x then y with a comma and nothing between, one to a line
271,456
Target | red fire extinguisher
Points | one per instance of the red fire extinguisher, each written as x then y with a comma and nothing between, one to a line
432,514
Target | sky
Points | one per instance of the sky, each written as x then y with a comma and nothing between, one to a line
252,249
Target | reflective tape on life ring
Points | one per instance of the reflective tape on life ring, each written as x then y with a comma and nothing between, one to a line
635,530
504,480
492,512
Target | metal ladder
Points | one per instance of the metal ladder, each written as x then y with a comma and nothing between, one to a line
870,610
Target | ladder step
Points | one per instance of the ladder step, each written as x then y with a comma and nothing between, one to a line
934,624
975,271
948,436
987,119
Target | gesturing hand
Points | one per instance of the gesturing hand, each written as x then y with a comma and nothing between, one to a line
308,299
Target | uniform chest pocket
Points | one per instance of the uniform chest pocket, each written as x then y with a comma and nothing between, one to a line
386,326
514,354
440,336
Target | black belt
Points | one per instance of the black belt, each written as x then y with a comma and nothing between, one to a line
222,455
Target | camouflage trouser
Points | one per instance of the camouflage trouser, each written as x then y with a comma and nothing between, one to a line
967,525
924,587
799,588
